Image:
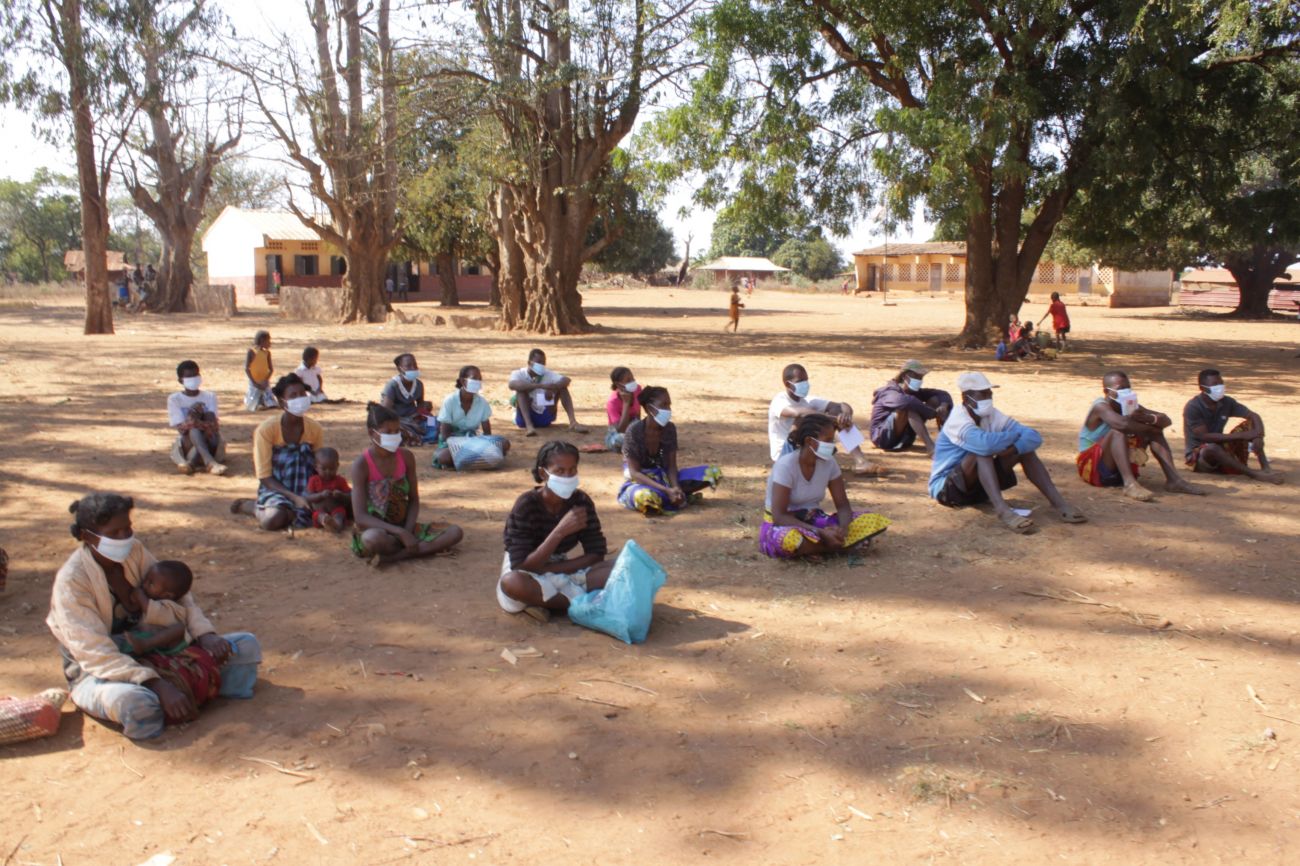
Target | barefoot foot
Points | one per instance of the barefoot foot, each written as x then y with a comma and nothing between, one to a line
1138,492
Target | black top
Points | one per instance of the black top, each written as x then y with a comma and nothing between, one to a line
405,406
634,445
529,523
1214,416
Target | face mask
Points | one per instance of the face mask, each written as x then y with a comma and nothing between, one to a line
115,549
984,408
913,384
800,388
390,441
630,387
1216,392
297,406
473,386
1127,399
662,416
538,369
411,375
825,450
191,383
560,486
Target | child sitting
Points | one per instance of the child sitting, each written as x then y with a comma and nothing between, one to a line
328,493
192,413
309,372
163,626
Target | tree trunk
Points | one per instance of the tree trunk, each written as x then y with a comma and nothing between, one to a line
447,279
513,275
364,299
554,304
1255,272
175,272
94,213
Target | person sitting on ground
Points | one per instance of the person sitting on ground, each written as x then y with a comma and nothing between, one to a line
623,407
653,482
1208,448
329,493
1060,319
1025,346
795,402
536,391
93,602
404,394
164,625
545,524
1114,433
976,454
309,372
386,498
284,459
793,523
193,415
464,412
902,406
258,368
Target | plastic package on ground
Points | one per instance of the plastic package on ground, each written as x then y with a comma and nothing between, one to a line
626,604
31,718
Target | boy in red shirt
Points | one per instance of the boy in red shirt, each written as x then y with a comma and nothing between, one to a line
1060,318
328,493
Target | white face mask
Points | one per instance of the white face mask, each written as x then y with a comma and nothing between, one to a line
801,388
630,387
538,369
1216,392
1128,401
390,441
115,549
473,386
913,384
298,406
561,486
984,408
661,416
825,450
191,383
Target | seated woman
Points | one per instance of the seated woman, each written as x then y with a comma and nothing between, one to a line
284,458
623,408
537,575
94,602
463,412
654,483
404,394
386,498
793,522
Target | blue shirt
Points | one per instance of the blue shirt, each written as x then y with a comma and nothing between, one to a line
961,436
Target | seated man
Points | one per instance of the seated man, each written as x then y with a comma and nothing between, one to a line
1115,430
794,402
536,390
977,452
1208,448
900,408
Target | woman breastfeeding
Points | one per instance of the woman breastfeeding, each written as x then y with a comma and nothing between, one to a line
654,484
284,458
386,498
794,524
463,414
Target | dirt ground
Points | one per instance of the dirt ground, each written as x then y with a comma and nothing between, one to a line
951,700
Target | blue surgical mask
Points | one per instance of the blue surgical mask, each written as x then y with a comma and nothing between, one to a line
913,383
984,408
114,549
538,369
561,486
630,387
411,375
191,383
800,388
1216,392
473,386
825,450
662,416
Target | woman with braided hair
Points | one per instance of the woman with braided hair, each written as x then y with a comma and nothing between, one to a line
654,484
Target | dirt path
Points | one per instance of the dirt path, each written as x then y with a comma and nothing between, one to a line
950,701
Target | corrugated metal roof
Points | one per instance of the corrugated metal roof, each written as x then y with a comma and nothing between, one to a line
276,225
741,263
942,248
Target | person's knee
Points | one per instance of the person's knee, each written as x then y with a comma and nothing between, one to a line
515,584
505,446
452,535
376,541
273,519
246,649
140,714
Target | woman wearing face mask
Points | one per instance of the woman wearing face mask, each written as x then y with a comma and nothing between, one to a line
623,406
386,498
793,522
653,483
94,599
463,413
404,394
545,524
284,458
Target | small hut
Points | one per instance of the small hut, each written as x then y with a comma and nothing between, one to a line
733,269
74,262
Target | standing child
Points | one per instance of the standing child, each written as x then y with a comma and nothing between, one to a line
258,369
328,493
309,372
736,305
1060,319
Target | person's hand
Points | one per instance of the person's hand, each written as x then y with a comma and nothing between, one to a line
831,536
216,646
625,395
176,705
575,520
1009,451
676,495
300,501
408,539
844,421
137,645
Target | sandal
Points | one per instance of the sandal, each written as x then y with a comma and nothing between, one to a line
1016,523
541,614
1073,515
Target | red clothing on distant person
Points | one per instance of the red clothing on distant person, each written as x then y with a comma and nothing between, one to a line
1060,318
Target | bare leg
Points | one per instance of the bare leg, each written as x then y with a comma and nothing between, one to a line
200,448
1036,472
863,465
387,548
982,470
522,588
1115,456
443,458
1174,482
917,423
567,402
1215,458
1258,447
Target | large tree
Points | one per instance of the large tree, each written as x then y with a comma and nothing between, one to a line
40,219
997,114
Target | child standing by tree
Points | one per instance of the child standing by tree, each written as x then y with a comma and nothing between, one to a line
736,305
258,369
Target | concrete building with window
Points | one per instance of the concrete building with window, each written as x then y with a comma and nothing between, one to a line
940,266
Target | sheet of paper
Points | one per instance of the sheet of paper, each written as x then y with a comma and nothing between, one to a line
851,438
1023,512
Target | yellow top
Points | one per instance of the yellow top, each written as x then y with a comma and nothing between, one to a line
269,434
259,369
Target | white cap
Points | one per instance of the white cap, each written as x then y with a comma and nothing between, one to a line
973,382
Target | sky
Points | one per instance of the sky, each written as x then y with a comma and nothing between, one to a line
22,152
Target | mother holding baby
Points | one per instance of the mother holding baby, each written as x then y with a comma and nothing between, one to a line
102,609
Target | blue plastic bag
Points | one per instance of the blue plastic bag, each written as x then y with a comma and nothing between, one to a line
624,607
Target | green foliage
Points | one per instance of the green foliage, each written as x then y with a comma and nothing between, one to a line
813,258
40,220
642,245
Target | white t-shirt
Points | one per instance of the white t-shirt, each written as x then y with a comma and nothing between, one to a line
310,377
804,492
541,398
178,405
778,428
